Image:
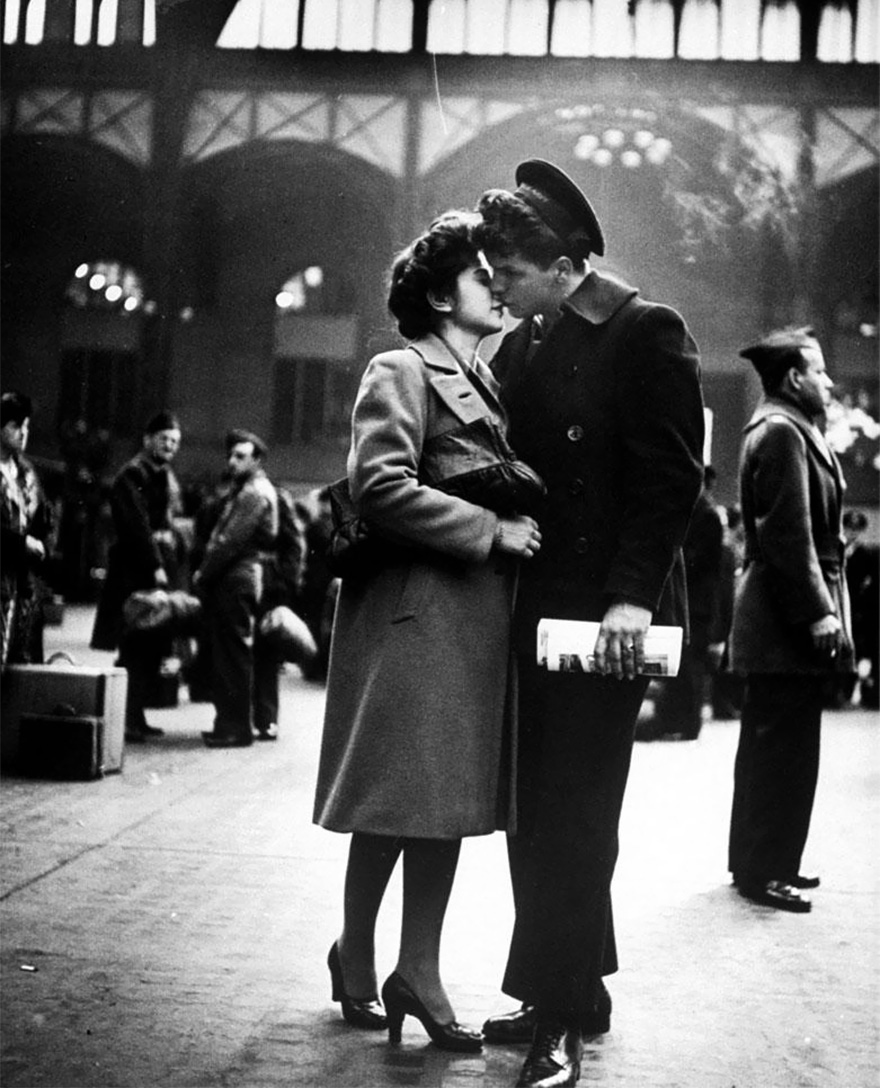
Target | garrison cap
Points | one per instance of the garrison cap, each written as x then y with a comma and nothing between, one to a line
162,421
552,194
780,347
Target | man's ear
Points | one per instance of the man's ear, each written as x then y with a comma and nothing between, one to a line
792,380
441,303
562,268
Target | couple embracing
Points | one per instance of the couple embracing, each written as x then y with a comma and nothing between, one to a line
439,722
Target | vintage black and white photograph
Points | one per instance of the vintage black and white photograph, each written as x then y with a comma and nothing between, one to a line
440,560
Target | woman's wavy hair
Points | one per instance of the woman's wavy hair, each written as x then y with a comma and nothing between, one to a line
430,265
509,227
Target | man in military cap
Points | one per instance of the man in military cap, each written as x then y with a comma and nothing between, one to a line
145,498
604,398
791,617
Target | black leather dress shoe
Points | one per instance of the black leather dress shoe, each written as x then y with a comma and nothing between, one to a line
778,894
554,1059
518,1027
269,733
802,881
511,1027
217,740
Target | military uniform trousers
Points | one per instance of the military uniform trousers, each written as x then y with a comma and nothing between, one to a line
231,606
775,775
575,739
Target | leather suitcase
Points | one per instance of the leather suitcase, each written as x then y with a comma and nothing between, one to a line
61,746
62,687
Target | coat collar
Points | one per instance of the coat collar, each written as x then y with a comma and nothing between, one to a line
438,356
435,354
776,406
599,297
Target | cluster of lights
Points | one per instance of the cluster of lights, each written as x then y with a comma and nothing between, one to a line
294,294
624,136
108,285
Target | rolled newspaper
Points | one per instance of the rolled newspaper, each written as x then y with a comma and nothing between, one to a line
567,646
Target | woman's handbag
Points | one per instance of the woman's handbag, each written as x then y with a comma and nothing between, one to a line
494,476
355,550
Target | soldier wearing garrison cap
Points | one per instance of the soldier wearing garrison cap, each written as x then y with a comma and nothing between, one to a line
791,616
603,394
144,498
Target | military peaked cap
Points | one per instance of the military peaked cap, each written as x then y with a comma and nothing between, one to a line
552,194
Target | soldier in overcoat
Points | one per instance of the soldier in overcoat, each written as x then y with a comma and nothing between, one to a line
603,392
144,497
791,627
415,737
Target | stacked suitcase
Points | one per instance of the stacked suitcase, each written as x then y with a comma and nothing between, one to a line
62,720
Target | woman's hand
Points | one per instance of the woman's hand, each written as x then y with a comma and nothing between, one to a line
518,535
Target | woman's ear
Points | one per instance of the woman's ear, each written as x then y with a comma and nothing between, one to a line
441,303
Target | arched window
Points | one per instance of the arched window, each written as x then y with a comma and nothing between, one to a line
102,347
315,351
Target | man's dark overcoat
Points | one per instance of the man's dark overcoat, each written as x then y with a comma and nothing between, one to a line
792,491
143,498
607,407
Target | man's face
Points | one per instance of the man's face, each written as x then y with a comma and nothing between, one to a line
813,385
242,460
14,436
524,288
163,445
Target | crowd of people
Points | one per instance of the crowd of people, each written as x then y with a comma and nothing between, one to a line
565,480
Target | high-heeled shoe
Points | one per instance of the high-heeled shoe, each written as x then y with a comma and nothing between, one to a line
359,1012
400,1001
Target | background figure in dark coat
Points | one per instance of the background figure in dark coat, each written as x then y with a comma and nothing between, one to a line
863,580
144,499
727,686
24,517
230,583
680,705
791,617
603,394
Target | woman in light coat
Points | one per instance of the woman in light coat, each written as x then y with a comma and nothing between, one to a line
414,748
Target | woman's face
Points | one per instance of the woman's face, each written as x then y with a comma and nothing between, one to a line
474,307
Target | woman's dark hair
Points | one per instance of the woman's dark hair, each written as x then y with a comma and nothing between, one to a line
430,265
510,227
15,408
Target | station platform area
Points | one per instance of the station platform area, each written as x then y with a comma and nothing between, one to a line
169,925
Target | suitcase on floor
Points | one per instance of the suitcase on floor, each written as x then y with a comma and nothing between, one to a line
61,746
62,688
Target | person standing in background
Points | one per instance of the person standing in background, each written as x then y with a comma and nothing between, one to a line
145,498
230,584
791,629
25,529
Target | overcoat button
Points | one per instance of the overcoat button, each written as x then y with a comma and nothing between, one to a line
581,545
576,487
575,432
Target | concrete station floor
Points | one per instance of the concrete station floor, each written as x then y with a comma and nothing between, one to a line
169,925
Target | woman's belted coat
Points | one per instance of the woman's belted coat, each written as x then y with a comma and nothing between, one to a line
415,740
